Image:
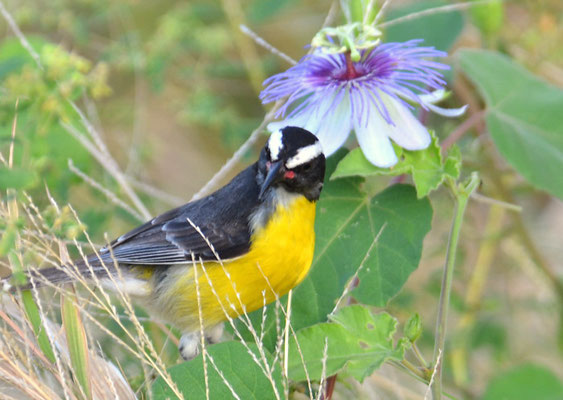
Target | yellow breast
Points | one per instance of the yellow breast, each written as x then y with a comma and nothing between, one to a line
280,256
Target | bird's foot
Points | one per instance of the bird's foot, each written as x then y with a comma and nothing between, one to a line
190,343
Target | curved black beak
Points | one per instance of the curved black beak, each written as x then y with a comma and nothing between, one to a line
270,178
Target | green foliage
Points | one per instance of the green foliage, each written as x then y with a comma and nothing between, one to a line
445,27
488,17
428,168
355,341
42,146
17,178
523,116
525,382
234,369
261,10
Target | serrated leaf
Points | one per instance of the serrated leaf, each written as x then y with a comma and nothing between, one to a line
355,340
236,365
523,116
427,166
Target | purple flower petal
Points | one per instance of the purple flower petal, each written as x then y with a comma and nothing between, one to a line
329,95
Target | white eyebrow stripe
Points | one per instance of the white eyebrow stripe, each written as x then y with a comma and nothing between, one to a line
304,155
275,144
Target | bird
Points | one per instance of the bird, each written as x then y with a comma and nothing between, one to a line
213,259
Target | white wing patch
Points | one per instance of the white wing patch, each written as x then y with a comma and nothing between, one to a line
275,144
304,155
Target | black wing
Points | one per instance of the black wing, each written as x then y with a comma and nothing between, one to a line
216,225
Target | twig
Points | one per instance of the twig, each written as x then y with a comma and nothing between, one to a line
16,29
432,11
248,53
110,165
107,161
108,193
156,193
261,42
330,16
503,204
381,11
237,156
462,129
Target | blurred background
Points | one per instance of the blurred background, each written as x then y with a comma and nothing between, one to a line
172,87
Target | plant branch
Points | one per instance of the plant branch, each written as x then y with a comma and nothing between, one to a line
103,156
248,53
237,156
462,129
263,43
461,193
432,11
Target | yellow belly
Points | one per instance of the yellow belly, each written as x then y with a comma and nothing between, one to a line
280,256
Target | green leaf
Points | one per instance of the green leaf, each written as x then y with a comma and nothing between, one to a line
445,27
413,328
347,223
523,116
525,382
236,365
31,309
77,342
32,312
17,178
355,340
427,167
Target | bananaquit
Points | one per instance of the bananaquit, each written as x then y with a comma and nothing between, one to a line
228,253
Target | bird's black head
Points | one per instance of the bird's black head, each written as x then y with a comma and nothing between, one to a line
292,159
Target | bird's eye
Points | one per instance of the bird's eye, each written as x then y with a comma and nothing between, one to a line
306,167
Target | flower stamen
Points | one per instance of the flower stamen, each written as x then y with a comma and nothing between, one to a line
351,72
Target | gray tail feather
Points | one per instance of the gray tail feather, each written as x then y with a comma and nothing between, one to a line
59,275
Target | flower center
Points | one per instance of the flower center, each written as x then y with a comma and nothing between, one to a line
352,71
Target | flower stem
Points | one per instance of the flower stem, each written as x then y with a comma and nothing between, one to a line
461,193
419,356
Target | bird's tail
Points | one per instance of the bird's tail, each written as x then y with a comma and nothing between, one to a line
56,276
